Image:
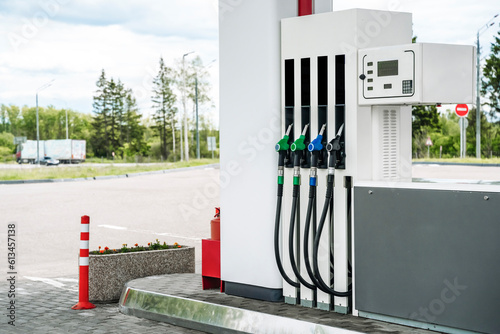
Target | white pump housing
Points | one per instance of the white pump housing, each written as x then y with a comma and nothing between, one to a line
420,73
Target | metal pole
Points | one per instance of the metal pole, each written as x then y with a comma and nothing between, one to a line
37,133
184,119
66,122
478,86
48,84
478,103
197,130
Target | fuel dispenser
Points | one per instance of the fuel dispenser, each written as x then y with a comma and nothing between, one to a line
343,94
343,80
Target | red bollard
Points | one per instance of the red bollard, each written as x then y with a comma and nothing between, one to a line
83,295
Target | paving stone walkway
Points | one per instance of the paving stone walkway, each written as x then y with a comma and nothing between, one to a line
189,286
44,307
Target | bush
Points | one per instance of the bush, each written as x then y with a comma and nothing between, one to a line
6,153
7,140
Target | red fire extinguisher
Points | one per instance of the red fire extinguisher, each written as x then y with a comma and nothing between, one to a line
215,226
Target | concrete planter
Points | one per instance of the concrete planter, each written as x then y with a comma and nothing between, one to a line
109,273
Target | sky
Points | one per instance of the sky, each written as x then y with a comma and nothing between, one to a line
71,41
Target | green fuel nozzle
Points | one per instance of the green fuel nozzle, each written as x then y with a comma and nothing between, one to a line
282,145
299,145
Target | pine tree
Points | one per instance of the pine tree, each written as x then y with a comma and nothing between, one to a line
490,87
163,102
100,122
132,130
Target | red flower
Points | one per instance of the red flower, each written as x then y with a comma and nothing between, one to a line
99,247
178,246
136,245
106,248
101,251
149,244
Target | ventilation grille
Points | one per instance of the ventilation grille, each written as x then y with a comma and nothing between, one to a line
390,135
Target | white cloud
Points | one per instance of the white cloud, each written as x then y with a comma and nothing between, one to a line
72,41
81,38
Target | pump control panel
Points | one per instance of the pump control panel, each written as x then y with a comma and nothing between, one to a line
420,73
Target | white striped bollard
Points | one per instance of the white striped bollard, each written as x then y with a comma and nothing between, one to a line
83,294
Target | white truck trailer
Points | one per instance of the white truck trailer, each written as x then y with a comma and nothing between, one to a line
27,151
65,150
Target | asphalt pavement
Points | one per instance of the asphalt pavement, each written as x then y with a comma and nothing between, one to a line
173,207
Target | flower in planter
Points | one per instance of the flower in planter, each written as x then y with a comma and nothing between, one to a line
136,248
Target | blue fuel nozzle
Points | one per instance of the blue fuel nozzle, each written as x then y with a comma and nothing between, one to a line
316,144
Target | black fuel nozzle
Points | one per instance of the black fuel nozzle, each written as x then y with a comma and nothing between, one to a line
298,147
336,149
282,147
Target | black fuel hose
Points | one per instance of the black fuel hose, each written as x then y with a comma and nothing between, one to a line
291,239
324,213
307,224
311,210
277,238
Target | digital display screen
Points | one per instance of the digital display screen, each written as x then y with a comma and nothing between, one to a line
387,68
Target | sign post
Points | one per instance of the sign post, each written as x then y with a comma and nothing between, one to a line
462,110
212,146
428,143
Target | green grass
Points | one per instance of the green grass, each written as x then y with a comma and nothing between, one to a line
467,160
84,170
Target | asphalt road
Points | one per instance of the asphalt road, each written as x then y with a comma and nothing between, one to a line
173,207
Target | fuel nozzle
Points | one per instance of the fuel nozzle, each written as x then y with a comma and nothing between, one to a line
335,149
315,147
282,145
299,145
316,144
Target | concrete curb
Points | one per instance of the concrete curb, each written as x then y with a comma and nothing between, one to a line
455,164
107,177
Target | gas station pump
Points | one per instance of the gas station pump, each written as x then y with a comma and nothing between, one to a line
340,78
352,235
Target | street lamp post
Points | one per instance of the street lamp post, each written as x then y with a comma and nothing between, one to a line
48,84
197,131
478,86
184,118
196,99
67,123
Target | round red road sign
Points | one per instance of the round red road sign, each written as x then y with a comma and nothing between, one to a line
462,110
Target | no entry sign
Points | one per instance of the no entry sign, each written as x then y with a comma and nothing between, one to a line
461,110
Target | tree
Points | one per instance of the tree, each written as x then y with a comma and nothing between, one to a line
425,119
163,102
12,116
188,75
100,140
116,122
490,87
132,133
